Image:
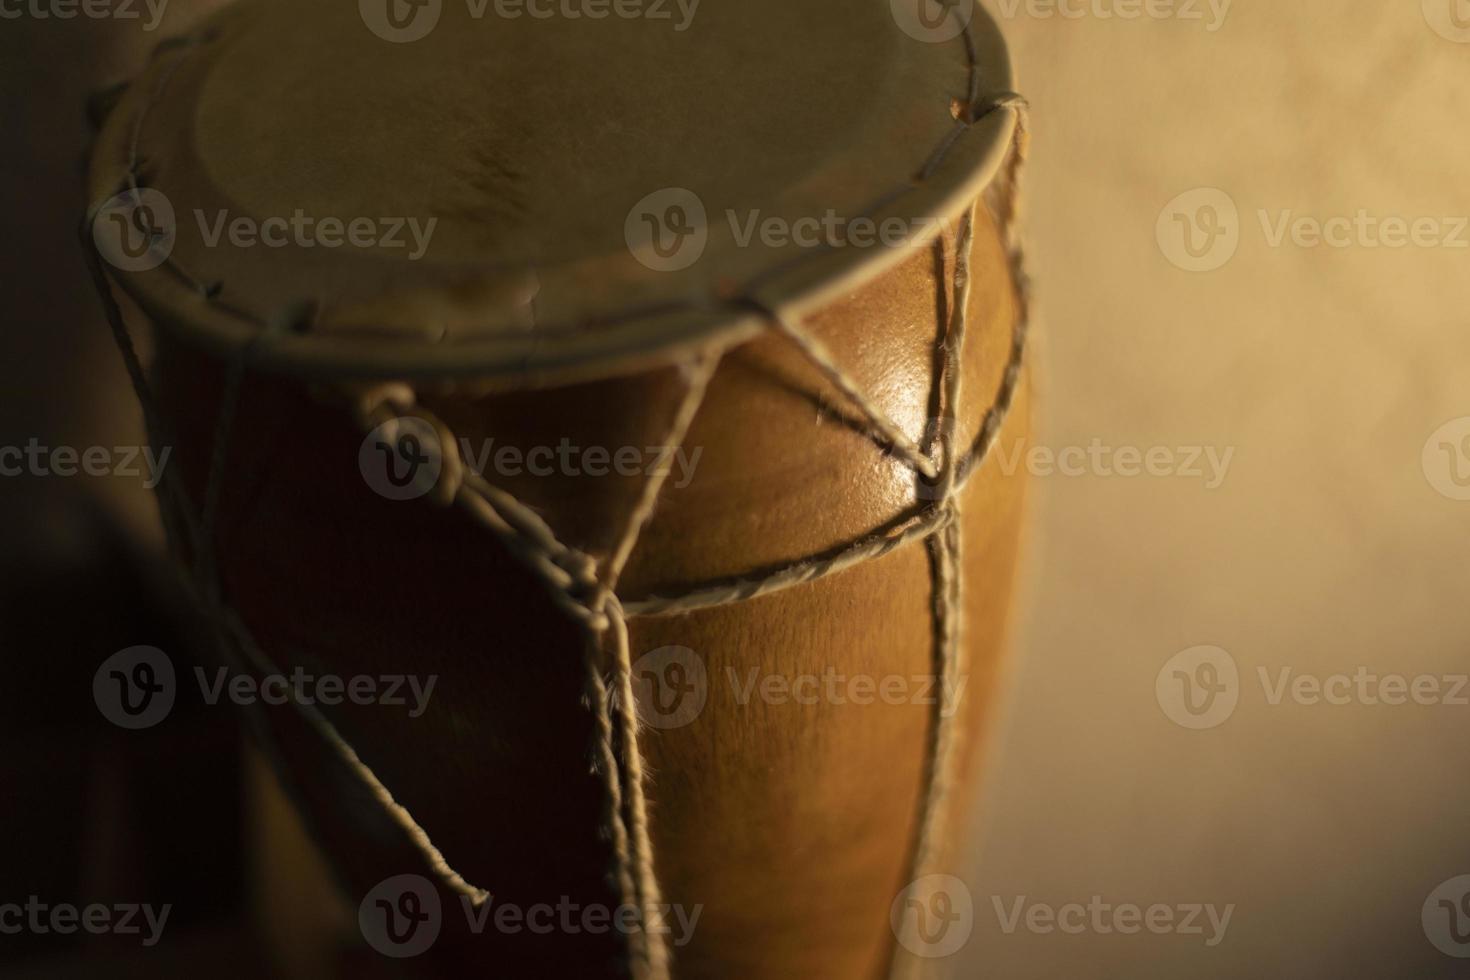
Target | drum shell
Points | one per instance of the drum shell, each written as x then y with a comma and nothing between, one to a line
789,824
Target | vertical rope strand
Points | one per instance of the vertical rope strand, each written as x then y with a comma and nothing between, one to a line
655,945
606,765
944,554
945,546
950,664
650,951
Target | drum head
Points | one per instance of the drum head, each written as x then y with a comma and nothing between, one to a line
536,189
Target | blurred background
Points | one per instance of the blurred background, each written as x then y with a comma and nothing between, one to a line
1248,537
1333,544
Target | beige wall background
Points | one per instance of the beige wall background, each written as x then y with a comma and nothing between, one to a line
1327,547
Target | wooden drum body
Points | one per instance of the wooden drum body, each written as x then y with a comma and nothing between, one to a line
813,629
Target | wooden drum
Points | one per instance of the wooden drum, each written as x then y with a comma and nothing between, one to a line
635,378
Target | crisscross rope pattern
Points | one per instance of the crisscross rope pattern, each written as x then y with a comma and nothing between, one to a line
586,590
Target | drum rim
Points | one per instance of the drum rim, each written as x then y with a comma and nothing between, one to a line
640,340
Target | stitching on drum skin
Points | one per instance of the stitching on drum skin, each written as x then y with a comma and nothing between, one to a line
570,573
